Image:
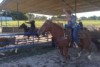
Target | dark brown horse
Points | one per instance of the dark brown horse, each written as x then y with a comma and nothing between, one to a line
85,41
61,40
26,31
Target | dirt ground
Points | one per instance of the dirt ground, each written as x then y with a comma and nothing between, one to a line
54,59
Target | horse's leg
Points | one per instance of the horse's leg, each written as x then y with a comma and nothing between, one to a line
65,53
80,52
60,50
87,47
33,39
38,39
89,52
37,36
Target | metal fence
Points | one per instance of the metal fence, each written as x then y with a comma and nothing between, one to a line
13,41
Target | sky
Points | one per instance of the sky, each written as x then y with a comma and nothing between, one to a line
88,14
1,1
85,14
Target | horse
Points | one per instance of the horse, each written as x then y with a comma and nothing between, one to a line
85,41
26,30
62,42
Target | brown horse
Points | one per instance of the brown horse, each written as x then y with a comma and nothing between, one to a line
85,41
59,37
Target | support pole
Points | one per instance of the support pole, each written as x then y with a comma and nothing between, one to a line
75,9
1,20
66,4
17,12
6,17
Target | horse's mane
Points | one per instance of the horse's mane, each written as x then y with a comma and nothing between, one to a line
50,21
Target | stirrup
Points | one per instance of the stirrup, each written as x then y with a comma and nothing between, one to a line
76,45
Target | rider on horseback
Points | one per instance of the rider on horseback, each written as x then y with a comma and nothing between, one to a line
81,24
32,27
73,26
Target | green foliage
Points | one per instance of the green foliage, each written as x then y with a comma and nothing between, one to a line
18,15
83,18
59,17
7,14
40,18
92,18
15,15
98,18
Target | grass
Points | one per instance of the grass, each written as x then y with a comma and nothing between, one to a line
39,23
92,22
15,23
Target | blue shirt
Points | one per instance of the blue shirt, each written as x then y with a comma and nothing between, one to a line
71,23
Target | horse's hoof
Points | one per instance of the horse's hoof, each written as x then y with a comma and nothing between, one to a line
16,50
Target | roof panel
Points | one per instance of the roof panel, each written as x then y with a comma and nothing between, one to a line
52,7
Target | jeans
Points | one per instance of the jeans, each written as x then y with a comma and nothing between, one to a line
75,33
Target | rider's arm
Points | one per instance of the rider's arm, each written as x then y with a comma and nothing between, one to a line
67,26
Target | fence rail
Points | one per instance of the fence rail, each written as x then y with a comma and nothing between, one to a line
16,45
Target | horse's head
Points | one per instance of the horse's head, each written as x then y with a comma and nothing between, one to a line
22,26
45,27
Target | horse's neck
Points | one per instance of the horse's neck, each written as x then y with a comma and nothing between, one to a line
57,32
25,28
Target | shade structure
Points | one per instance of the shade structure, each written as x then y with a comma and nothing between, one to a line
50,7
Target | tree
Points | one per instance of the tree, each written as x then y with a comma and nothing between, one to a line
83,18
6,13
54,17
15,15
43,18
61,17
98,18
92,18
37,17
